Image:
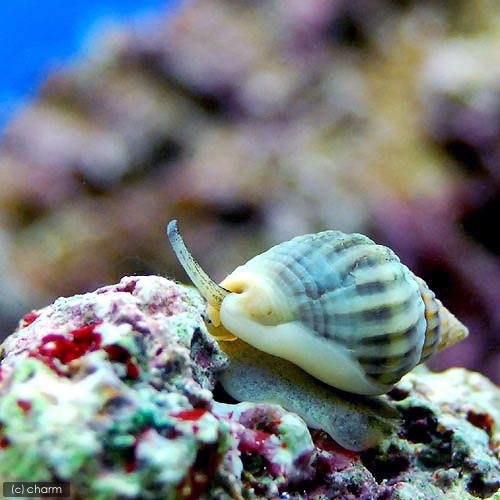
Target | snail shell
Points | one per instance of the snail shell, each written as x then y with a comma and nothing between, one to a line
341,307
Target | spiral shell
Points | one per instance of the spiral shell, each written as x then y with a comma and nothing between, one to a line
341,307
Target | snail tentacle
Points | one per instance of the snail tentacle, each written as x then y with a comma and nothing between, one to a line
209,289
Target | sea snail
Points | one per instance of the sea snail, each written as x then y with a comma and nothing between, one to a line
339,306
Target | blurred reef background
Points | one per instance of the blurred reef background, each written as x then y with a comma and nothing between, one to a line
252,122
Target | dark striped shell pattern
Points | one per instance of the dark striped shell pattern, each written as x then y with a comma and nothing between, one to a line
348,289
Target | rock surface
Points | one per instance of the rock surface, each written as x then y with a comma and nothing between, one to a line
116,391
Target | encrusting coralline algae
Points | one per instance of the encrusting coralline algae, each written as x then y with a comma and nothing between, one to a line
116,392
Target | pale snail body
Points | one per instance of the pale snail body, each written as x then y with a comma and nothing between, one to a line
341,307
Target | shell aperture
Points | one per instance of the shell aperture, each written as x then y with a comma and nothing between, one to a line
341,307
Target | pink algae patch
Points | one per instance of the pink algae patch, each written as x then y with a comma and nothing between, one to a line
255,442
340,458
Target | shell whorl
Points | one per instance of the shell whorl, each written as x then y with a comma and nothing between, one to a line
443,328
349,290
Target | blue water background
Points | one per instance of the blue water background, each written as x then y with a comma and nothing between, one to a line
37,36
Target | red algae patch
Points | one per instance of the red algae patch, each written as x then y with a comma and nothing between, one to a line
65,349
190,415
29,318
